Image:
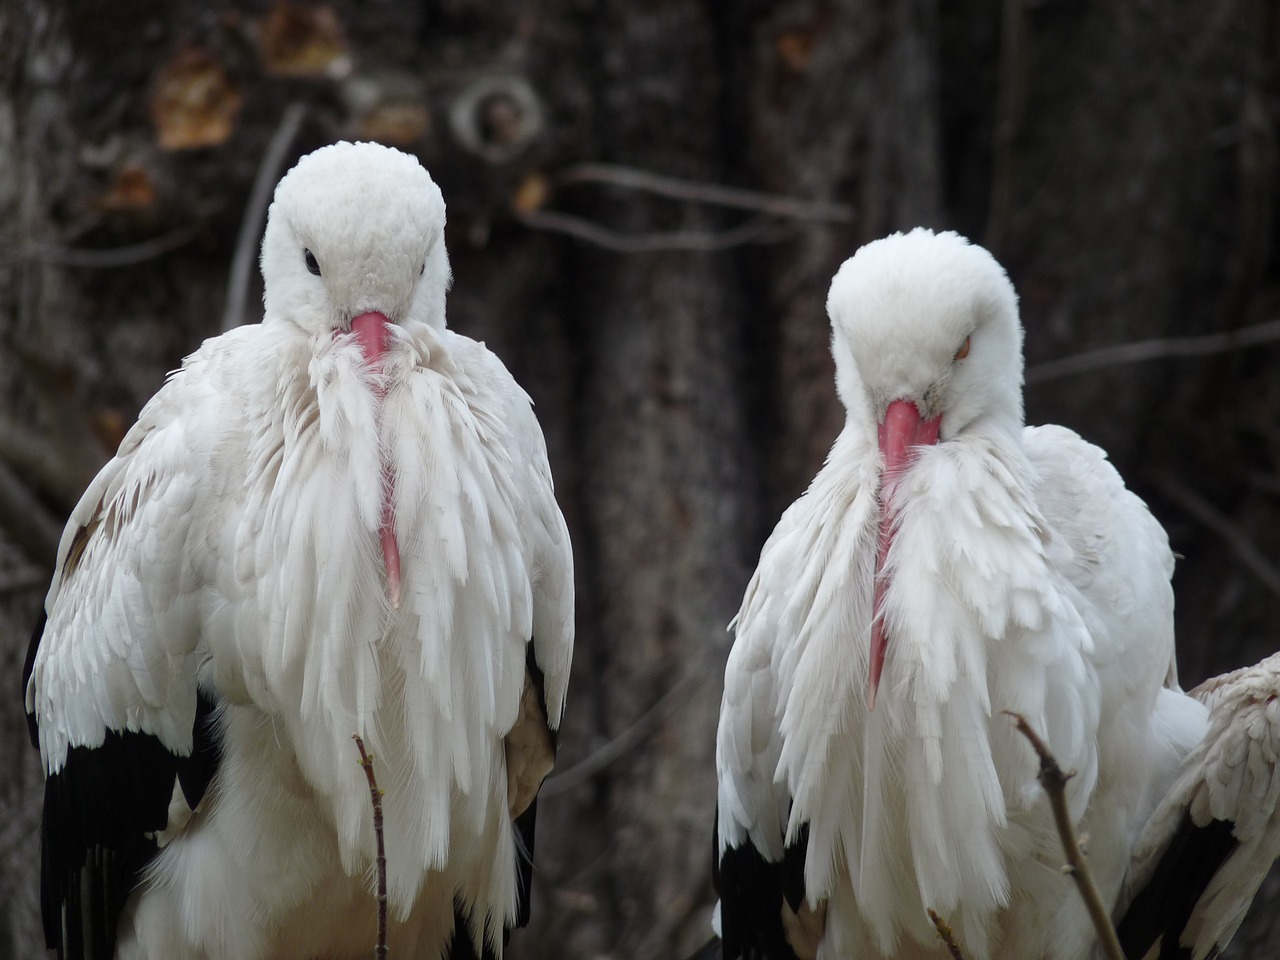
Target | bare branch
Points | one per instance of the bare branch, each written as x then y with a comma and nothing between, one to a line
1250,557
109,258
776,205
1054,782
945,933
1142,350
20,580
759,230
630,738
33,455
26,521
255,214
366,761
1263,480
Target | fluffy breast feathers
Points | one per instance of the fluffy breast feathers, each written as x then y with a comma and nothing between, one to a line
224,546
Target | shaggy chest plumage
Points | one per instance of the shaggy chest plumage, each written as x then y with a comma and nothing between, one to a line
928,801
317,639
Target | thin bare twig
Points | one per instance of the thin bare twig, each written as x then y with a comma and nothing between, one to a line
255,214
43,460
646,181
1161,347
1054,782
630,738
1250,557
366,761
108,258
26,521
945,933
759,230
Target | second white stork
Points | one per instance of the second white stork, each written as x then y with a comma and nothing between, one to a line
338,521
946,564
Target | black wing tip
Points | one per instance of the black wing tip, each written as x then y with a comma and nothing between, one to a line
461,945
752,891
793,862
101,810
1163,908
525,826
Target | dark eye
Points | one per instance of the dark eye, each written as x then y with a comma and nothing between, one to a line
422,269
311,262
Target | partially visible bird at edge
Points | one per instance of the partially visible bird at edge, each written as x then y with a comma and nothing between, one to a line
337,521
949,563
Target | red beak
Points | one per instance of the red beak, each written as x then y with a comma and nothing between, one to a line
373,333
901,429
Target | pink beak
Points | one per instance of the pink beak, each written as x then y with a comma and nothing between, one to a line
901,429
373,333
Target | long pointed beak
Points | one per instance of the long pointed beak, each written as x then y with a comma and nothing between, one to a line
902,429
373,333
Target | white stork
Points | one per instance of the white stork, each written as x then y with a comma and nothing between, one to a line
947,563
339,521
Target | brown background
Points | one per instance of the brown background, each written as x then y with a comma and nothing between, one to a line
1119,157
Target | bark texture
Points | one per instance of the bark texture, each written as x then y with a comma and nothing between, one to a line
1120,159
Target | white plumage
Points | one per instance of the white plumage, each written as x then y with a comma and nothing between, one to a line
339,521
1216,832
989,566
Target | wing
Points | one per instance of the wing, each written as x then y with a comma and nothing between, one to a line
107,812
1118,554
759,876
1213,837
110,686
531,743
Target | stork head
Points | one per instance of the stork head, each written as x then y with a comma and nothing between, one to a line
931,319
927,346
355,232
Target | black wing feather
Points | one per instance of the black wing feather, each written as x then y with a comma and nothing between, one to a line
461,946
752,890
33,728
1163,907
525,829
526,823
102,809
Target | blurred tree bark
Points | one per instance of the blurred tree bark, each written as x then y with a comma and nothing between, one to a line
1119,158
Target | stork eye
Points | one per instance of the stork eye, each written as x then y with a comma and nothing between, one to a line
964,350
312,265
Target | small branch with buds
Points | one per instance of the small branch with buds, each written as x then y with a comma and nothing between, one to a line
366,761
948,938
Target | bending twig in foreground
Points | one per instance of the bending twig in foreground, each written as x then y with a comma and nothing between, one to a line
366,761
947,936
1054,782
